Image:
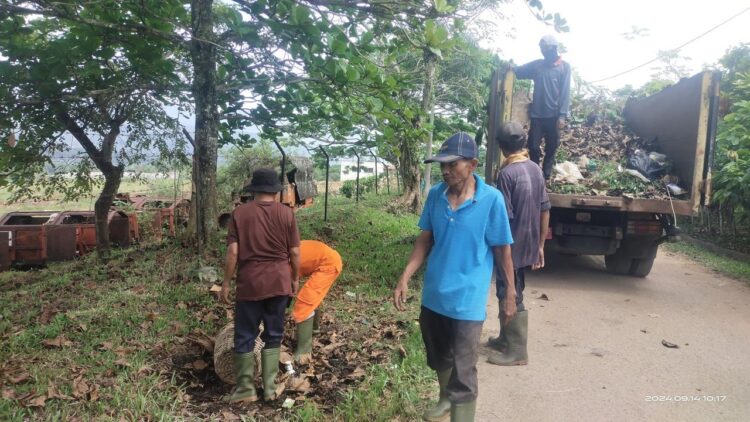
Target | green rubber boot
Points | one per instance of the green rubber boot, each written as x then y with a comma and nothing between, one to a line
443,406
316,321
463,412
244,370
517,334
499,343
269,359
303,352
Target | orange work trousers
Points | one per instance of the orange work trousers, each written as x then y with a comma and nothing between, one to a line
313,291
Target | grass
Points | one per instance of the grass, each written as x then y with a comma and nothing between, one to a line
730,267
84,341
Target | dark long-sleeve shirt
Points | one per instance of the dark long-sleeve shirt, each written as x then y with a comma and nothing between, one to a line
551,87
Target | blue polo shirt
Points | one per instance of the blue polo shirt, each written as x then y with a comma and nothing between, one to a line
459,266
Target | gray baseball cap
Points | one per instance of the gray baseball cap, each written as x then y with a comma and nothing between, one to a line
511,130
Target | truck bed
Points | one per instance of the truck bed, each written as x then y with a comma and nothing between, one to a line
621,203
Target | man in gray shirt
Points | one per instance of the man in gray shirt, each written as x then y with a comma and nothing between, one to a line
551,103
521,182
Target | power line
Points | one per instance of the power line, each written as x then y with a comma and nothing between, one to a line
677,48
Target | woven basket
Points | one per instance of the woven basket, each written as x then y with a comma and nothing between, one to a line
224,353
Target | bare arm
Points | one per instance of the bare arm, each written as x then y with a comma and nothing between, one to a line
504,258
422,248
543,229
230,267
294,257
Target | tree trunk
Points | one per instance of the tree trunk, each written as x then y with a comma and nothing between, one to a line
206,121
112,179
409,169
427,109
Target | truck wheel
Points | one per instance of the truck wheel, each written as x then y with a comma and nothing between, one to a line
641,267
618,264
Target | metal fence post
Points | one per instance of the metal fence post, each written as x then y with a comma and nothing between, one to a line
328,166
387,180
358,165
282,176
376,171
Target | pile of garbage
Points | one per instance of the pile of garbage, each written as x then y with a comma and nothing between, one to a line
603,158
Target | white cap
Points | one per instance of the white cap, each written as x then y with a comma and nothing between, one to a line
548,40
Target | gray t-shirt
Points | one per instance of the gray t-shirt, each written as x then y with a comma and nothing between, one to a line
522,184
551,88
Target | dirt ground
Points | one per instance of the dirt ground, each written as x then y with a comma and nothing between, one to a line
596,353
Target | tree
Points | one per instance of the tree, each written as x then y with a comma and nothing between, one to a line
69,76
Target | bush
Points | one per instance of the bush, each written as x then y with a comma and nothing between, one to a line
366,186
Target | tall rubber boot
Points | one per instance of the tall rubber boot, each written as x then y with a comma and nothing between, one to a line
499,343
443,407
244,370
463,412
269,359
517,334
316,321
303,351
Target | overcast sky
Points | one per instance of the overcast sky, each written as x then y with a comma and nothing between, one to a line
597,48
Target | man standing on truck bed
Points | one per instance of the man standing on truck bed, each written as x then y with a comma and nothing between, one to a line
528,205
550,104
262,242
464,231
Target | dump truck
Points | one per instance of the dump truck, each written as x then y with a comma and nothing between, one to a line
627,231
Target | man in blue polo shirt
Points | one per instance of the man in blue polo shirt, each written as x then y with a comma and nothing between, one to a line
465,231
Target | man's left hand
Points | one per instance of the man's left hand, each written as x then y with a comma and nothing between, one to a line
560,123
509,308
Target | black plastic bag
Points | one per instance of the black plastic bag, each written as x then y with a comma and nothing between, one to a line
646,165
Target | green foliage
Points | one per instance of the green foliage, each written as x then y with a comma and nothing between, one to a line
366,186
731,181
731,177
239,167
65,76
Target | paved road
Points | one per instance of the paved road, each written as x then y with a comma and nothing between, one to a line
590,359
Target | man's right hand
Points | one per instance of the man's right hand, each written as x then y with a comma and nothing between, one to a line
399,295
224,294
540,261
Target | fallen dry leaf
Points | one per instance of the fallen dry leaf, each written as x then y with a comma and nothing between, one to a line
59,342
107,345
48,312
19,377
80,388
122,362
37,401
229,416
151,316
123,351
670,345
543,297
301,384
54,393
357,373
9,394
200,364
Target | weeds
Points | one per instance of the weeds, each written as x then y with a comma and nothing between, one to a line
83,341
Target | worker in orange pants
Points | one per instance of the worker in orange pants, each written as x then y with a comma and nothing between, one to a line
321,264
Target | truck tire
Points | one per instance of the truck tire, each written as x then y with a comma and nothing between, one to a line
618,263
641,267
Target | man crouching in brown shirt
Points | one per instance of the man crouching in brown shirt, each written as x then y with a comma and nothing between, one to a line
263,239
